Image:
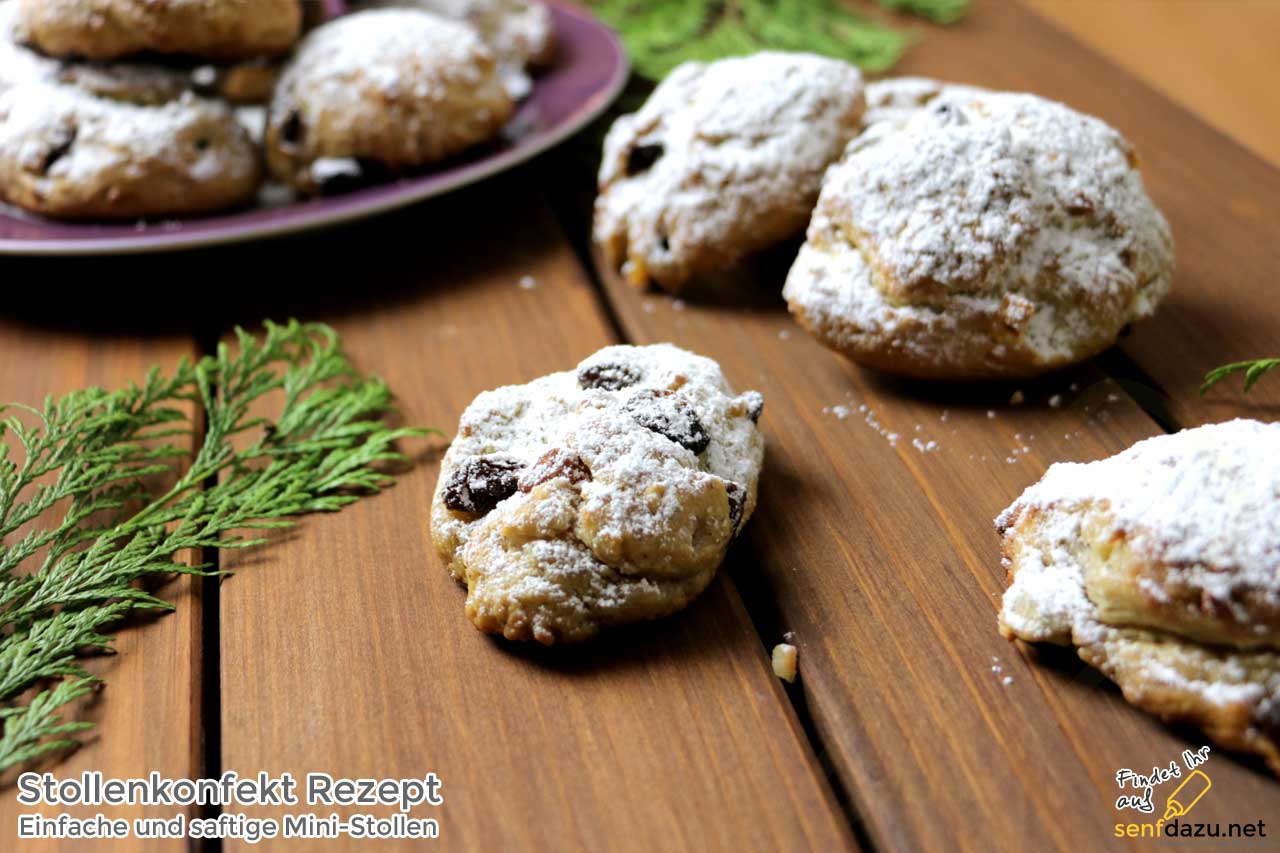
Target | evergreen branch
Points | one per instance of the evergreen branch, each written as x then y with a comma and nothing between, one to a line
36,728
659,35
938,11
329,445
1252,370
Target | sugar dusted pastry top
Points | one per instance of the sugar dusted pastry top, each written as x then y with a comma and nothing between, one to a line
1207,497
389,88
897,99
519,32
1161,565
597,496
91,141
982,234
1197,515
724,159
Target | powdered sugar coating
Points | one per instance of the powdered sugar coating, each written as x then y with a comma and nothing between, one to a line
519,32
1205,497
741,147
638,536
83,141
1162,565
896,99
981,235
397,87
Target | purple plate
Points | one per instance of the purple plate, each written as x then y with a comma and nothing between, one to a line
589,71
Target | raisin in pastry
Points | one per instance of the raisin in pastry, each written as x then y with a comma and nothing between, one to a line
597,496
114,141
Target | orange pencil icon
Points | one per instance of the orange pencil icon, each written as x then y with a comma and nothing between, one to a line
1180,803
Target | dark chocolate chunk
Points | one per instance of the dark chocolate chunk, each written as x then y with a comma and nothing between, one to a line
608,376
671,417
481,483
553,464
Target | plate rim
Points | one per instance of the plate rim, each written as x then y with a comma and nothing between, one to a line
485,169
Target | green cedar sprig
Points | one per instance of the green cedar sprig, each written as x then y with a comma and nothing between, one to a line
93,456
660,34
938,11
1252,370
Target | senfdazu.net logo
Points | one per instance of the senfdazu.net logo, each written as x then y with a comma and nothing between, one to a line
1172,792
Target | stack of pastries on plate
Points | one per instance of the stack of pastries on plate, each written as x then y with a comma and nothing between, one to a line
959,233
126,109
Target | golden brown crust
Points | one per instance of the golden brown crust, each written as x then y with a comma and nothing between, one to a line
1233,696
110,29
1129,586
248,82
979,344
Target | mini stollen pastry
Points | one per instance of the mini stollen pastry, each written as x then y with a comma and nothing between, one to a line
598,496
724,159
70,154
88,141
979,235
1161,565
110,29
242,82
387,90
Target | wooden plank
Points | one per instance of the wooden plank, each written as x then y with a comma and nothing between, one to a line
881,556
1226,54
148,716
345,648
1220,200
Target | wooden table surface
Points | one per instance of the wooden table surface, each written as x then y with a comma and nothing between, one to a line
342,647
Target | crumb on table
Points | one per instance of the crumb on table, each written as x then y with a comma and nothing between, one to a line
784,662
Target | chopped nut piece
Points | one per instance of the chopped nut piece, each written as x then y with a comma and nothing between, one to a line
784,662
